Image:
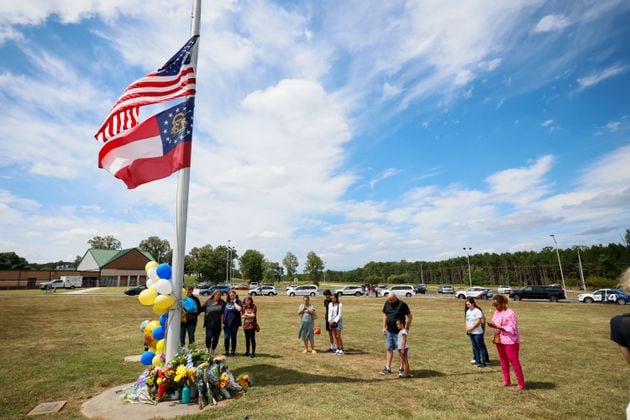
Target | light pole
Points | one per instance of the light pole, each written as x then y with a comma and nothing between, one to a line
421,274
581,271
468,259
227,264
559,263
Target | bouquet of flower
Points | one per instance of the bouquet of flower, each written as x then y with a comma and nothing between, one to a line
185,376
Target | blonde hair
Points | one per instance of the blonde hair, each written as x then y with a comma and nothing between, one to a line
624,280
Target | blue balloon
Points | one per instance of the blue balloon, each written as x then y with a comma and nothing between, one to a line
163,320
147,358
158,333
189,305
164,271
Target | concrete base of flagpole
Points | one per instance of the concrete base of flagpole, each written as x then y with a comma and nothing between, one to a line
110,405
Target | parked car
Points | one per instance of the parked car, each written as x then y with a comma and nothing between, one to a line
291,286
134,291
476,292
305,290
420,288
223,288
351,291
382,289
605,296
446,288
504,290
401,290
263,291
552,293
242,286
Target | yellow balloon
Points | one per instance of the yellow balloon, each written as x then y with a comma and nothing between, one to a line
147,297
148,330
161,345
164,301
159,311
150,265
157,361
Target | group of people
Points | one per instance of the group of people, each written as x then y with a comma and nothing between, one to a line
333,316
231,314
218,314
397,319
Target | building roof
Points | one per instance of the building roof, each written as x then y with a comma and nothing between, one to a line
95,259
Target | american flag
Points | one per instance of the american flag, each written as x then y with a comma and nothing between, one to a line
174,79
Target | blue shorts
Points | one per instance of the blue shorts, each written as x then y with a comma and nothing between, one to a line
391,341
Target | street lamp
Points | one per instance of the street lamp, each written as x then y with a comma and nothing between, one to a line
581,271
559,263
468,259
227,264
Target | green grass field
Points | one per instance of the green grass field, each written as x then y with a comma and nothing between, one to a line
72,348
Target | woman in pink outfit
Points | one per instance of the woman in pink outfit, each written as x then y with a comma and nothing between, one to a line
505,327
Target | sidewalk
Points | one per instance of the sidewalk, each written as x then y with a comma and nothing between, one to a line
110,405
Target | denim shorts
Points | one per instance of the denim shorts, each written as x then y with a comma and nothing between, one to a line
391,341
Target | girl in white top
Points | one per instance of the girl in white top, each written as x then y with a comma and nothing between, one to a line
335,321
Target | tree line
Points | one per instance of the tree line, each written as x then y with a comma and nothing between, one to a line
600,264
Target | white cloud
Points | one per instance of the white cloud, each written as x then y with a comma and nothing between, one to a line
387,173
547,123
551,23
596,78
613,126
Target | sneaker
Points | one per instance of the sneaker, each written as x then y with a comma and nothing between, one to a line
246,354
340,352
400,370
331,350
481,365
473,362
314,351
385,371
305,351
252,355
233,353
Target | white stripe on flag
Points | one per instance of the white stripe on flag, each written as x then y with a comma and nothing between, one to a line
124,156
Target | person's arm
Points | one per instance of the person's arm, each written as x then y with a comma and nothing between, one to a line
338,316
301,309
625,352
409,320
384,324
403,345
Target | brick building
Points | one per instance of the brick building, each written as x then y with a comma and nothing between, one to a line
99,268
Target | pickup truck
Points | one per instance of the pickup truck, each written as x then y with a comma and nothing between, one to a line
552,293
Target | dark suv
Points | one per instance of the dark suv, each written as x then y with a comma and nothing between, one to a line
552,293
420,288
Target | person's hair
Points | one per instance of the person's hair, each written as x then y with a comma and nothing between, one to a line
469,299
624,280
248,298
216,292
336,295
327,292
190,288
500,299
402,321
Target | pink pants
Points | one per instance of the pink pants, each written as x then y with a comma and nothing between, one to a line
508,355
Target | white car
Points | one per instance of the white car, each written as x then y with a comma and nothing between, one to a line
306,290
599,295
504,290
351,291
263,291
476,292
401,290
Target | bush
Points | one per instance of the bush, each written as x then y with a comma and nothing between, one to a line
597,282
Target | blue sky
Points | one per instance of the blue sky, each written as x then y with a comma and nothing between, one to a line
359,130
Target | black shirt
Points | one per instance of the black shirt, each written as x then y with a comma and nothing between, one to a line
395,311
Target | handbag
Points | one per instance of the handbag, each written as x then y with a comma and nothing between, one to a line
257,327
496,339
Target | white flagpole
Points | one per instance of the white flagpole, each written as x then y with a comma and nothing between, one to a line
181,217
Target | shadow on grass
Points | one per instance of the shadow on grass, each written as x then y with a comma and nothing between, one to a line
425,373
268,375
540,385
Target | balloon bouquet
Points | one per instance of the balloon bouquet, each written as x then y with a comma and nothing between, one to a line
159,295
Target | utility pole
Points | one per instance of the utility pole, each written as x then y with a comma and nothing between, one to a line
559,263
468,259
581,271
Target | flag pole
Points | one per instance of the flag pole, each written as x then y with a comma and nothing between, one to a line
181,217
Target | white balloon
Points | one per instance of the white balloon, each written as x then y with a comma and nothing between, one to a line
163,287
152,273
150,281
